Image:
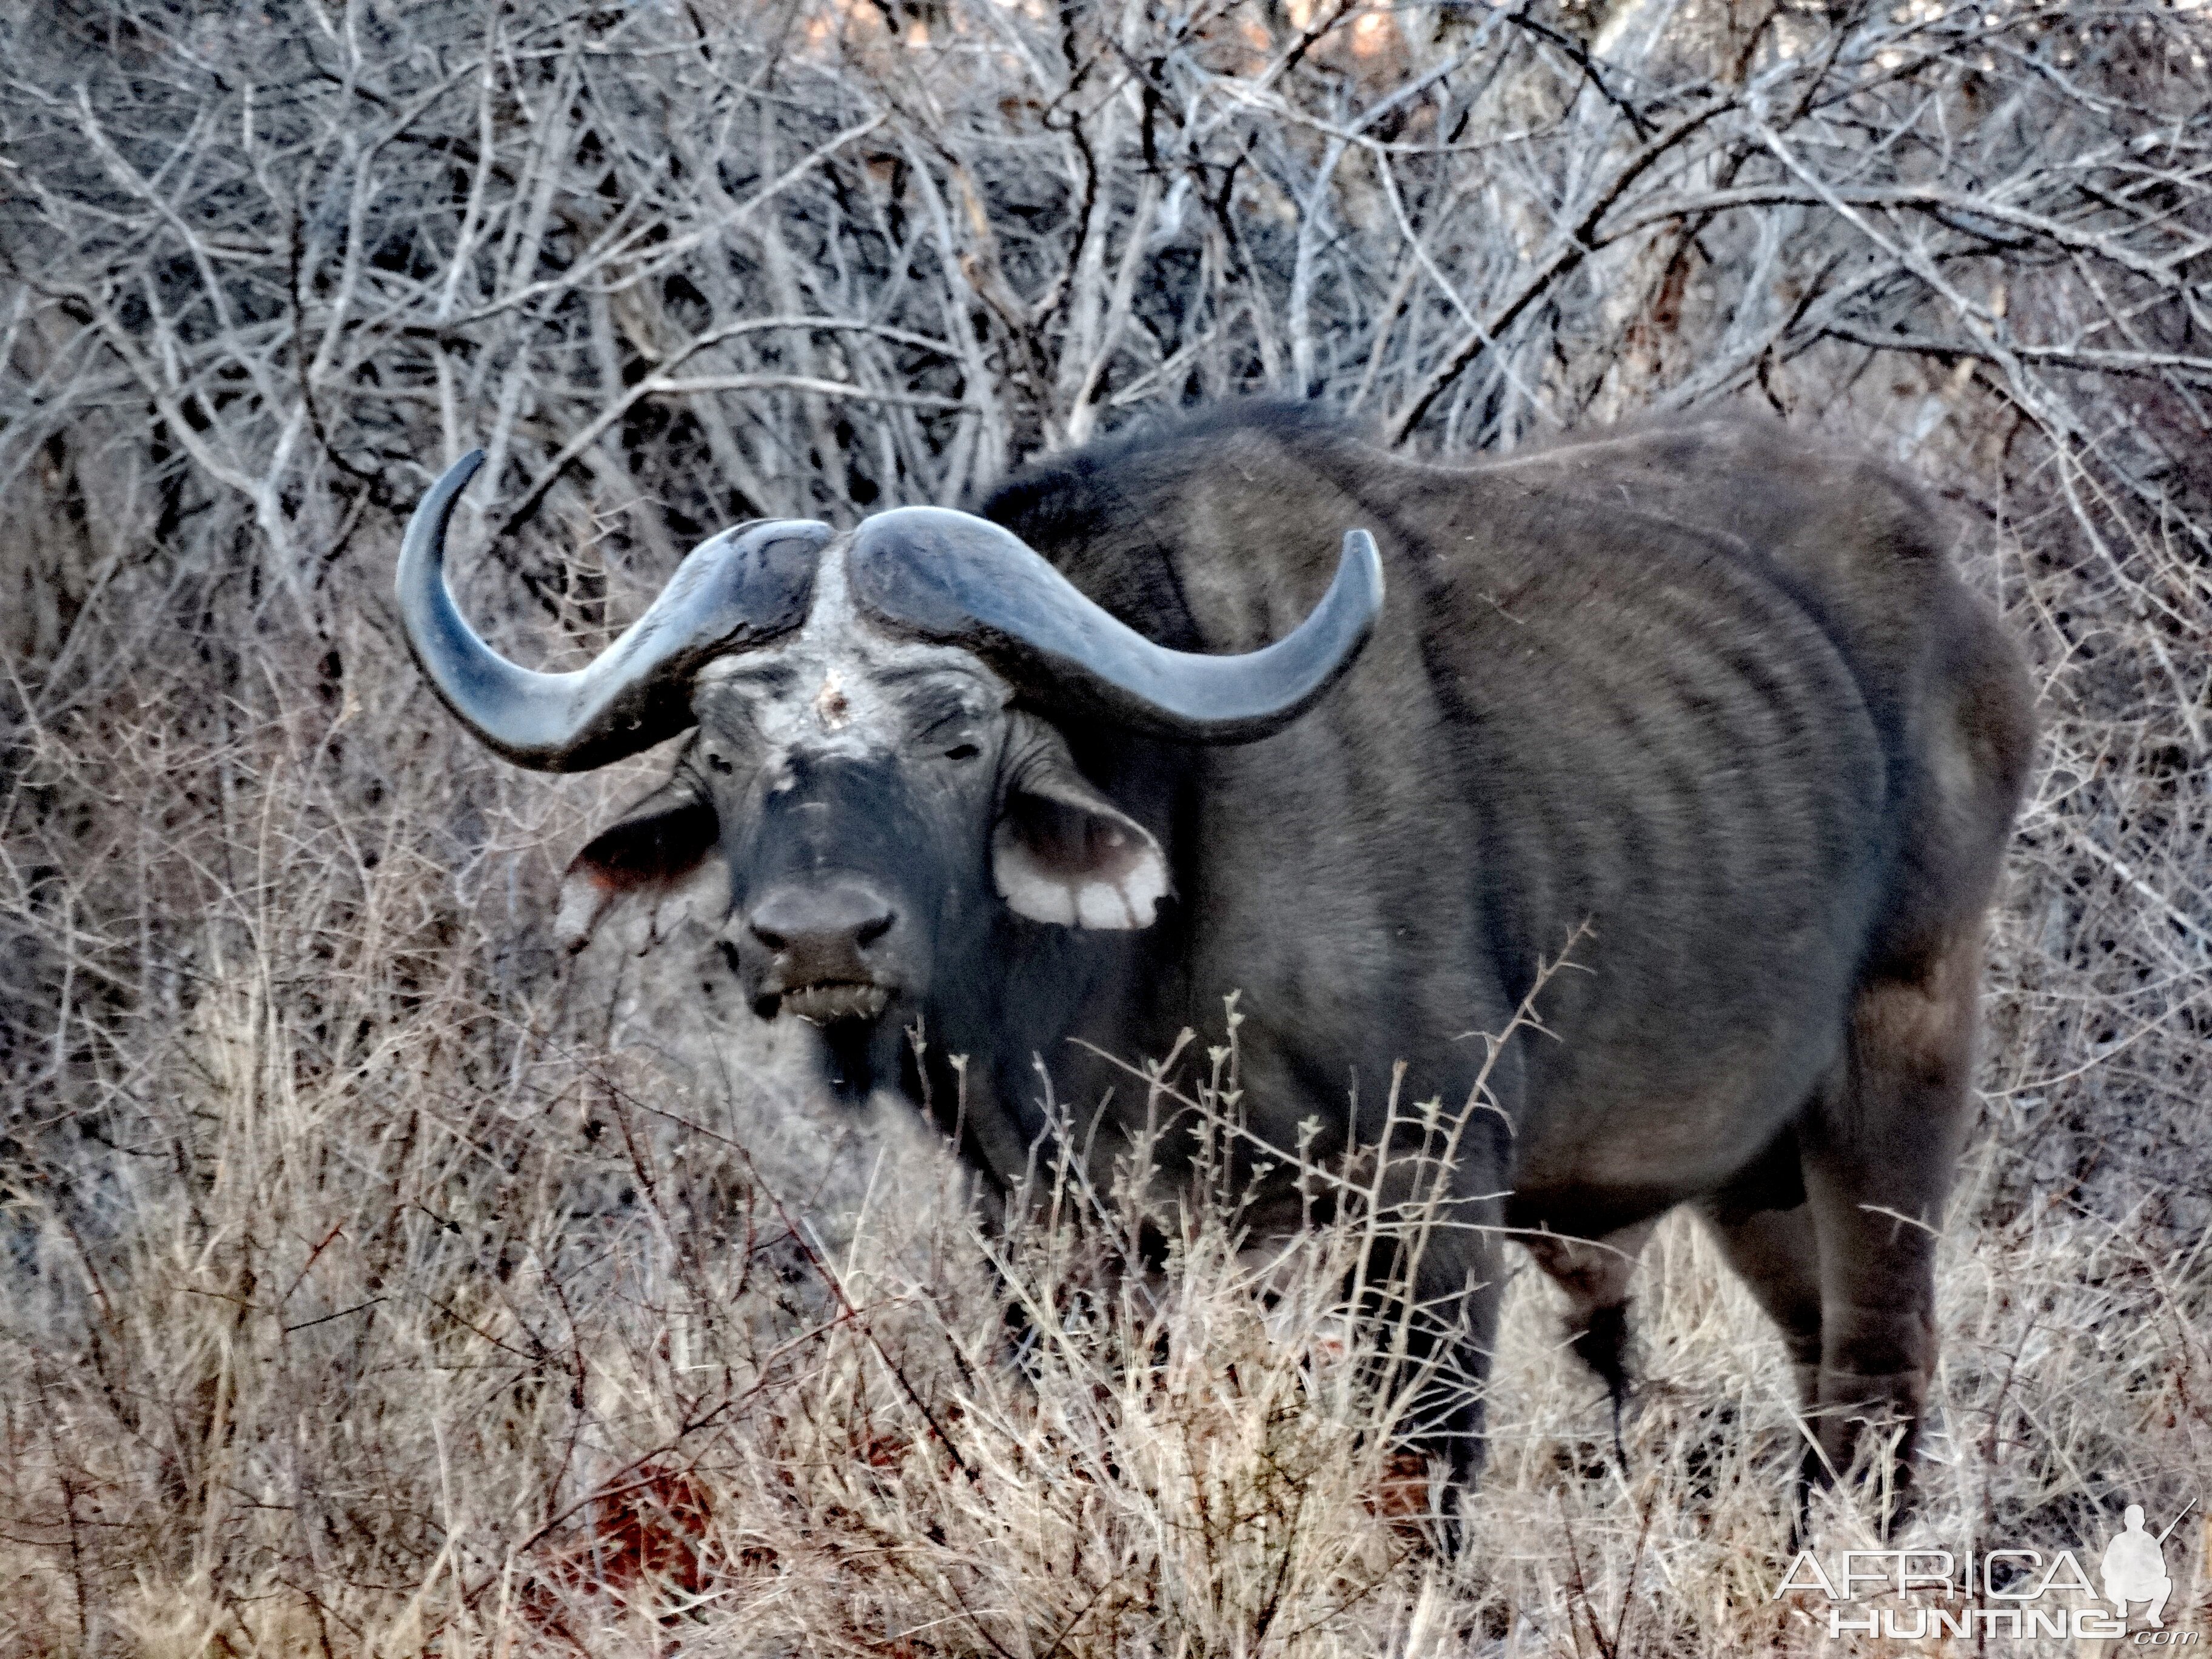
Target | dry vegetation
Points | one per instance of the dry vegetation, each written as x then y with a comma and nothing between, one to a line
376,1283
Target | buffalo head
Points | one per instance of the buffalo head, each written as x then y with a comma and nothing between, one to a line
876,759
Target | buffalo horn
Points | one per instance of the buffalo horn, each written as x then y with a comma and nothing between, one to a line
747,585
952,576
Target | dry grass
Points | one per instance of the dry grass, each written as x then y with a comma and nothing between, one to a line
378,1284
387,1317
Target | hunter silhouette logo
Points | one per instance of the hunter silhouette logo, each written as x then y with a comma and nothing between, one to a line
2135,1565
1912,1595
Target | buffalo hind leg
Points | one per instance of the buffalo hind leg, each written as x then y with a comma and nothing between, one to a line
1770,1243
1877,1152
1764,1230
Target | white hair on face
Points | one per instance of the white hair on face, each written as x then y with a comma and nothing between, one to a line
826,690
1128,898
833,700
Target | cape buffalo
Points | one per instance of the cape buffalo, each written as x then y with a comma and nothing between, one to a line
1038,778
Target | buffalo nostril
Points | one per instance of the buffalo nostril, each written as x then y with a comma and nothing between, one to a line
820,934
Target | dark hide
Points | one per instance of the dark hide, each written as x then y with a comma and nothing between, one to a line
1708,692
1711,690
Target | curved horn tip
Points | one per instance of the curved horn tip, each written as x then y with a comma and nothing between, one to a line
456,477
425,538
1361,555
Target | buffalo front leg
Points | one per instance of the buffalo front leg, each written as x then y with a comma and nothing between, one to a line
1438,1326
1449,1312
1877,1152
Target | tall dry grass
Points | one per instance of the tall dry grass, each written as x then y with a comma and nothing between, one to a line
376,1282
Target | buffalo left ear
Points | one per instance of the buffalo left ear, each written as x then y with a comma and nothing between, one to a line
659,841
1062,853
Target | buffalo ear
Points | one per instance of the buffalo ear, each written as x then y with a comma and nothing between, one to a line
1062,853
659,841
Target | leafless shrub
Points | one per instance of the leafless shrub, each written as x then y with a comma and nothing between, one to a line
376,1284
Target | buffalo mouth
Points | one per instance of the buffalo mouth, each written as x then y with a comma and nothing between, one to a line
835,1002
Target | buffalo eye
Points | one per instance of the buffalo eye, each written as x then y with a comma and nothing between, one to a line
962,751
717,762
